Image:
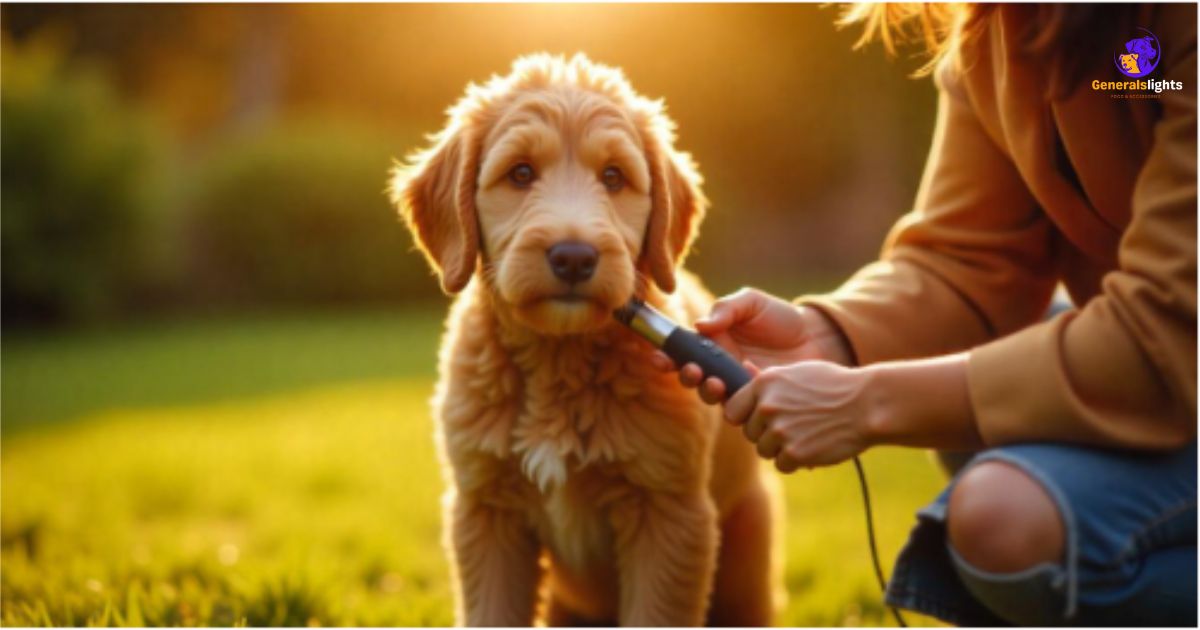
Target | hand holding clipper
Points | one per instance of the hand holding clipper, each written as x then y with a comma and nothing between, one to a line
683,346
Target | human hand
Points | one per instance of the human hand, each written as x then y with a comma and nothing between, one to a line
765,331
812,413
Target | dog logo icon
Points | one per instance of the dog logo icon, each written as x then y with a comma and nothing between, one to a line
1141,56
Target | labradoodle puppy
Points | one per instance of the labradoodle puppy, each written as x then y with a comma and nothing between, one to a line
584,486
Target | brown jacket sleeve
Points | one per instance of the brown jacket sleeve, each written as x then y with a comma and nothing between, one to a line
1121,371
972,262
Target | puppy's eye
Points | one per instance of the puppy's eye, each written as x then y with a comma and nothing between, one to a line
613,179
522,175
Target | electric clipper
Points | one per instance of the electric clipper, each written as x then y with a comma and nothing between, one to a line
682,345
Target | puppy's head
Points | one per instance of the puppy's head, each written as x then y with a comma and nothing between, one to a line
559,187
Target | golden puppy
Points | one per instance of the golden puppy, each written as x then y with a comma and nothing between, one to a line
584,485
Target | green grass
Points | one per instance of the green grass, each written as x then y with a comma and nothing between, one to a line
52,377
210,481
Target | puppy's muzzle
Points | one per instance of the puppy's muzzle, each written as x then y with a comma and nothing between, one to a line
572,262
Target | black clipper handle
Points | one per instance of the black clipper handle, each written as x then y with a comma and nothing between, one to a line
685,346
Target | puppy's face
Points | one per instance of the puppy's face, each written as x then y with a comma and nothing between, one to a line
563,183
563,204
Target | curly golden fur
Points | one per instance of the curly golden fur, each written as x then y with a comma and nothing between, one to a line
584,486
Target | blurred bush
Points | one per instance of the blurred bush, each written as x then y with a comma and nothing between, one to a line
83,177
296,214
102,216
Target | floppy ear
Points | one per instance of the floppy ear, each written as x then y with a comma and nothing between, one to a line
435,193
677,207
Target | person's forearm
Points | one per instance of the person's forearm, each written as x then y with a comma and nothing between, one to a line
922,403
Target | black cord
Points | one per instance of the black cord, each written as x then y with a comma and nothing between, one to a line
866,495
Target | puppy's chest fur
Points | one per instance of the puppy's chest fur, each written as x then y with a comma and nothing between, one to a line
565,428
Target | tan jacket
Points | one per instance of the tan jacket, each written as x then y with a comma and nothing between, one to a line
1000,220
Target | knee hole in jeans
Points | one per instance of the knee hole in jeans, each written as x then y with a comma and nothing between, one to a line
1000,519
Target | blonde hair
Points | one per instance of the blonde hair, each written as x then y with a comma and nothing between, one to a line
940,27
1066,36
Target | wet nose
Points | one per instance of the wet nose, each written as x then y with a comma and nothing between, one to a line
572,261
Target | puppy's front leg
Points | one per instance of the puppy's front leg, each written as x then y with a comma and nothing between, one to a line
666,557
496,558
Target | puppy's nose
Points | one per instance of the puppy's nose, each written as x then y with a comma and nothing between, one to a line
572,261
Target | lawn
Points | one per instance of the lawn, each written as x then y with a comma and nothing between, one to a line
279,470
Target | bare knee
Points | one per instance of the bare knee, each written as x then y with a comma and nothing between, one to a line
1002,520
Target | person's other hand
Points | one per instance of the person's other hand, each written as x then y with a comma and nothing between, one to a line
765,331
811,413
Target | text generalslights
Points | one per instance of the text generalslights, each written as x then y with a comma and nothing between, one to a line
1152,85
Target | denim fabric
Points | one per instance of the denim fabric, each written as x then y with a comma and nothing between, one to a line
1130,546
1033,597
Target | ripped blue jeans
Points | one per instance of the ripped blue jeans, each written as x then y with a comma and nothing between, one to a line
1130,555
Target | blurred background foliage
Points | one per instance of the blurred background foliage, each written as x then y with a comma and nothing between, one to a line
172,158
294,214
82,199
219,342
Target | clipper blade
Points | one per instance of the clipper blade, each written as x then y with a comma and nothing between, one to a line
626,313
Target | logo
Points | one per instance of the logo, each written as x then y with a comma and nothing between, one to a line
1136,59
1140,57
